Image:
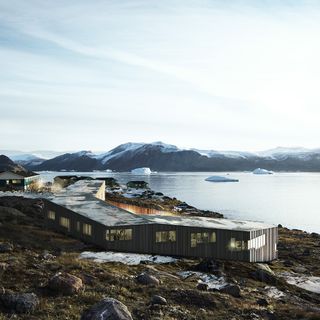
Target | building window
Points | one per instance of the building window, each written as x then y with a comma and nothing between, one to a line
118,234
87,229
202,237
257,243
78,226
165,236
65,222
51,215
237,245
16,181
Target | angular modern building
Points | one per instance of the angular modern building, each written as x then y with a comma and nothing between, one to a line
81,212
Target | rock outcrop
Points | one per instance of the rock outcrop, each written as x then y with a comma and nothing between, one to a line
19,302
107,309
65,284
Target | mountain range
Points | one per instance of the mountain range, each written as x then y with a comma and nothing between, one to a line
165,157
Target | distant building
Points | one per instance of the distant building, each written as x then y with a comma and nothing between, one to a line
80,210
10,180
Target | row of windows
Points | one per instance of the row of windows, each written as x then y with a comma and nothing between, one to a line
202,237
118,234
164,236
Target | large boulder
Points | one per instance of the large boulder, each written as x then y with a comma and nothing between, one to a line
231,289
65,283
147,279
156,299
265,274
107,309
19,302
209,266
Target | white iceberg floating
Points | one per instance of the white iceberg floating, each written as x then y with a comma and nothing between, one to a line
221,179
141,171
261,171
125,258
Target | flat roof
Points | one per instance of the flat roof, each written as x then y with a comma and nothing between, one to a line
80,198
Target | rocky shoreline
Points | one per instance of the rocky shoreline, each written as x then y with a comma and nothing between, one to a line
42,276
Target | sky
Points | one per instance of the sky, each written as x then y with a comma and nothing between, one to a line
224,75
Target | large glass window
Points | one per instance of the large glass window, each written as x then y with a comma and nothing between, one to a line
237,245
118,234
87,229
165,236
51,215
16,181
202,237
78,226
65,222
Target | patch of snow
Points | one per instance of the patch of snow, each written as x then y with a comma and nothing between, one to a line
141,171
221,179
309,283
261,171
227,154
211,280
125,258
274,293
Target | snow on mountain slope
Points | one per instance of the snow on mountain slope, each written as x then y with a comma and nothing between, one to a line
281,153
131,147
228,154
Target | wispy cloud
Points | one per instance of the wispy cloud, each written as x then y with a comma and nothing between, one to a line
159,66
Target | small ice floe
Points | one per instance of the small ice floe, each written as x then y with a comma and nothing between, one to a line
274,293
221,179
213,282
141,171
261,171
309,283
125,258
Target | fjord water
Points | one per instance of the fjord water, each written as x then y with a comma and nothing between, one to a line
291,199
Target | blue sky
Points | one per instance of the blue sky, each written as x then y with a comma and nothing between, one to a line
208,74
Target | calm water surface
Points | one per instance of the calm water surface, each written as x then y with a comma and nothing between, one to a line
292,199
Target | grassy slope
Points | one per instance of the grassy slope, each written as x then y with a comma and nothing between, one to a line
29,272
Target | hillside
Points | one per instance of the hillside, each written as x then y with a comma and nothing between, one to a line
163,157
30,257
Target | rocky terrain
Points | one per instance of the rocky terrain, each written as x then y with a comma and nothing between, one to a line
138,194
42,277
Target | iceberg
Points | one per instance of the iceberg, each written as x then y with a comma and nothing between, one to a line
221,179
261,171
141,171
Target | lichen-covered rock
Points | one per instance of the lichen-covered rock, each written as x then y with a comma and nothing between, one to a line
107,309
6,247
158,300
265,274
65,284
19,302
147,279
231,289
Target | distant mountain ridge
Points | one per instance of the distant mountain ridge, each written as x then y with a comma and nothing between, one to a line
165,157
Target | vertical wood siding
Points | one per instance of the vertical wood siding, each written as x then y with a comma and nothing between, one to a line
144,238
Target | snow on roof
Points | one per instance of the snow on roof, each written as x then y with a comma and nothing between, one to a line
80,198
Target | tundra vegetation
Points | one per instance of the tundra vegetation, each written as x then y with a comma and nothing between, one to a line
42,277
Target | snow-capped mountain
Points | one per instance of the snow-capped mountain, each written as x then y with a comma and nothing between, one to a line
165,157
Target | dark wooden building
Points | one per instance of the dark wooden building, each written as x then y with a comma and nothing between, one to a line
80,211
10,180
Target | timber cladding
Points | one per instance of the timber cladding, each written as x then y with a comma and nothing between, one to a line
164,239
